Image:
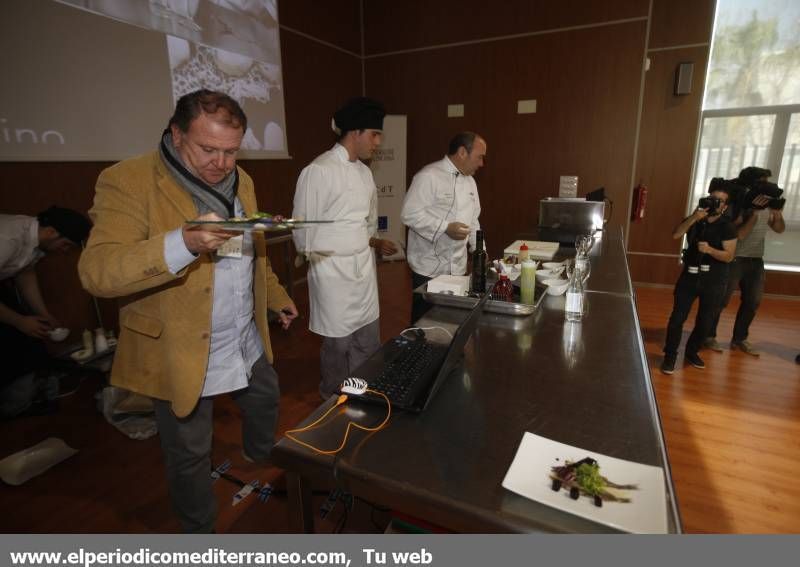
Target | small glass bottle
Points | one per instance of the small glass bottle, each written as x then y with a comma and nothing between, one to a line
478,284
574,305
503,290
583,265
527,282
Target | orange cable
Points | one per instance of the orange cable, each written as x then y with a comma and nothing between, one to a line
342,399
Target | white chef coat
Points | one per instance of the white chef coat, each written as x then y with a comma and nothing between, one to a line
342,282
439,195
19,244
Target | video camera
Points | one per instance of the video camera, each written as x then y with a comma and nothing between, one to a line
767,189
754,178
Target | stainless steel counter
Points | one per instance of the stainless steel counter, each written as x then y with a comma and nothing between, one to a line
585,384
609,264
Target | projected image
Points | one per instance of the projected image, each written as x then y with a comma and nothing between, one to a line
249,27
253,83
228,45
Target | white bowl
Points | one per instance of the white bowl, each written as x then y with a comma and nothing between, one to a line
556,286
59,334
553,266
542,275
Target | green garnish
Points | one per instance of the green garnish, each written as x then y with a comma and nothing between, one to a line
589,478
260,215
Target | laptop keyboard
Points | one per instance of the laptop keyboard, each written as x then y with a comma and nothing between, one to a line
401,378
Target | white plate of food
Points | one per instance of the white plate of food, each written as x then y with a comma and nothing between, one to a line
622,494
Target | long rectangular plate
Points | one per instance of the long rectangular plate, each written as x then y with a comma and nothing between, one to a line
261,225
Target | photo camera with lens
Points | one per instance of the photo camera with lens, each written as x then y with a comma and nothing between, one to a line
711,204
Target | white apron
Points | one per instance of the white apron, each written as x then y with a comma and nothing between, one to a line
342,282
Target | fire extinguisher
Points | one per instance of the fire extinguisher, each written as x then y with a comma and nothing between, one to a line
639,202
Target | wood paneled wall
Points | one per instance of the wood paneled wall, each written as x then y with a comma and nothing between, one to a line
317,78
680,32
391,26
586,81
584,64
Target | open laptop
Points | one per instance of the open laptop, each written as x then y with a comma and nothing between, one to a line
410,371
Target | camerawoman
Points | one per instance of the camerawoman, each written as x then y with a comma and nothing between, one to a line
711,245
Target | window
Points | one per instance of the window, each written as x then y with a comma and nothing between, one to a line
751,108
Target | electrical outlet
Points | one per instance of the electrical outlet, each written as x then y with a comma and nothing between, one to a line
455,110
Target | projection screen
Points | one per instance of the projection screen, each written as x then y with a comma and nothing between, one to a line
98,79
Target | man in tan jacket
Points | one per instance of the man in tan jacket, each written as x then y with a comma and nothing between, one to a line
193,320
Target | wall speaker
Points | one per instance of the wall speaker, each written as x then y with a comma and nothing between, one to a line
683,78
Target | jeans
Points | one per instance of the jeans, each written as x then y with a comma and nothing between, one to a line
186,444
747,274
709,288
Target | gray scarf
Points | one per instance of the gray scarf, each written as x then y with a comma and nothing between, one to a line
207,198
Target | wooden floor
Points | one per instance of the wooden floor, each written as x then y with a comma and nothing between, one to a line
732,431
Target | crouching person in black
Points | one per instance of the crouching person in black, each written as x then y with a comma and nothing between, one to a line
711,245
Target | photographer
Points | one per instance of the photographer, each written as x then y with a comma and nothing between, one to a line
762,208
711,244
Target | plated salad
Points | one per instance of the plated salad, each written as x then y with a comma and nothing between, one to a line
583,477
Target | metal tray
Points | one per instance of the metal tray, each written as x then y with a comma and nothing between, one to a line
492,306
256,225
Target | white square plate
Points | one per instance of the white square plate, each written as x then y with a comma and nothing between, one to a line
529,475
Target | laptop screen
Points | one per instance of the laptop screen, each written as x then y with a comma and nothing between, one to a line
456,348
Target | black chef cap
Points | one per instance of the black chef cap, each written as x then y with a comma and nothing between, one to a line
70,224
360,113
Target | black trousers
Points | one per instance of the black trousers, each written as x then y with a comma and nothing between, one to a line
709,288
418,304
747,275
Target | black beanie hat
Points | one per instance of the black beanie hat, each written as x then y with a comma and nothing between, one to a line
70,224
360,113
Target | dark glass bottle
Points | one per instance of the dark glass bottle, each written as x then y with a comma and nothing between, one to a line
478,265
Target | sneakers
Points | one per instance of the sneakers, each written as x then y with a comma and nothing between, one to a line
712,344
745,347
694,360
668,366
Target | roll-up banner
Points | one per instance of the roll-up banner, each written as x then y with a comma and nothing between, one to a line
389,170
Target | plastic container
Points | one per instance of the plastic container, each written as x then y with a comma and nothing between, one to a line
527,282
524,252
100,341
88,341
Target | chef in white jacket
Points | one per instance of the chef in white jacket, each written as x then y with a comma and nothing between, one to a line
441,210
342,283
